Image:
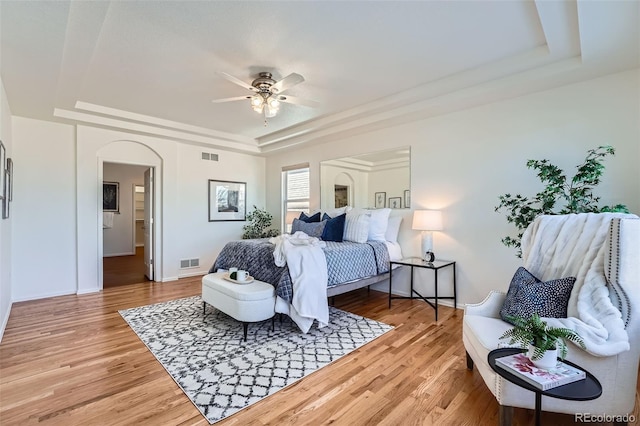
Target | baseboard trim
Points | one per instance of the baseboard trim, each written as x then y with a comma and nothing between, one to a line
44,296
193,274
167,279
89,290
130,253
5,320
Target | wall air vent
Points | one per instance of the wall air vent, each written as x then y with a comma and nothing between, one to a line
209,156
189,263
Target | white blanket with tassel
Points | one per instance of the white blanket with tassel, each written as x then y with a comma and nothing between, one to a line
574,245
308,269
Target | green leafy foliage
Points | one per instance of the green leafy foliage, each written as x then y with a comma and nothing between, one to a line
535,331
258,226
576,194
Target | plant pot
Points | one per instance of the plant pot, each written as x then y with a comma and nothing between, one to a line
548,361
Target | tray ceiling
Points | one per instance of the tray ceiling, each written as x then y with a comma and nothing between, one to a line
151,67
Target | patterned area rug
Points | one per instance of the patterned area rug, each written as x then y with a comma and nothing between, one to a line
221,374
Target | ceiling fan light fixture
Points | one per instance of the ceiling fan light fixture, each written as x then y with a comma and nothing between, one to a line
266,96
273,106
273,103
270,112
256,101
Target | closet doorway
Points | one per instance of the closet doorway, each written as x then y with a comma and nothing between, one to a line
127,244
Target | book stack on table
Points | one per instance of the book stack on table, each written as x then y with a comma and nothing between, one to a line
521,366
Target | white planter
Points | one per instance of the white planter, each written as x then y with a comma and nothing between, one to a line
549,359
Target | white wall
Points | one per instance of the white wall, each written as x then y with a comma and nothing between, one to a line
5,225
461,162
44,209
197,237
119,240
61,166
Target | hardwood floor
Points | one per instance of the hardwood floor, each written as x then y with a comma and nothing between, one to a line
124,270
72,360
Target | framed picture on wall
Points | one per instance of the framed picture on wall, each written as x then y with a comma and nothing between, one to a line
111,197
407,199
395,202
227,200
380,200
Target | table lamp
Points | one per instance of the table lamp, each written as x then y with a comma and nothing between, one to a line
427,221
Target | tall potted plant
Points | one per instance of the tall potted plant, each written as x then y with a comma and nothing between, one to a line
577,194
544,343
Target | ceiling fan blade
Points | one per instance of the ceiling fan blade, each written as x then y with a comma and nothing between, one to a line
298,101
238,81
287,83
236,98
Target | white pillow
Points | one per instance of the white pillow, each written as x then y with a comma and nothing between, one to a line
393,228
356,227
378,224
337,212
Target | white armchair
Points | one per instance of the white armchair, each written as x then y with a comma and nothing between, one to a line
482,327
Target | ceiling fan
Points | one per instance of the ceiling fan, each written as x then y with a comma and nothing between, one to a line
267,93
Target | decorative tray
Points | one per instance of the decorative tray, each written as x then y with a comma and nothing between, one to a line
247,281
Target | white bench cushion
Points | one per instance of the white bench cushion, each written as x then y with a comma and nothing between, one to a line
256,290
251,302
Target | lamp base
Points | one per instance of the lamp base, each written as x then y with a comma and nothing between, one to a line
427,246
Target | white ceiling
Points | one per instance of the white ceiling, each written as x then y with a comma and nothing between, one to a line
151,67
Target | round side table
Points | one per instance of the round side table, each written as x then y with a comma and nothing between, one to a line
582,390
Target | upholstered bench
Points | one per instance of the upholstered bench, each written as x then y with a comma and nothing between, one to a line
246,303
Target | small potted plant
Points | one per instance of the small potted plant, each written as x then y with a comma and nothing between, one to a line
544,343
259,225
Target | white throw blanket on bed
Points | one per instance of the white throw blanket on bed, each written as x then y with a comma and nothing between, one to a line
574,245
308,269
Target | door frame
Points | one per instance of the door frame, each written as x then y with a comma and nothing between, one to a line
135,221
157,192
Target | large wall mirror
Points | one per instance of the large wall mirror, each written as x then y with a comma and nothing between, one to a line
373,180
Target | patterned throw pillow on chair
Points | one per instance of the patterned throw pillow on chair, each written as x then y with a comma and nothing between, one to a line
528,295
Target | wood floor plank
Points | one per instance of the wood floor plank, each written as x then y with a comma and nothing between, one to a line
73,360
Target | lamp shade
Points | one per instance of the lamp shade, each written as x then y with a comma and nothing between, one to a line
427,220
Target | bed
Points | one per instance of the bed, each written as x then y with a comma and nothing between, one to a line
350,265
344,250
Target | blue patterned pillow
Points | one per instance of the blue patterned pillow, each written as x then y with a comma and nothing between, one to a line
311,229
334,228
528,295
310,219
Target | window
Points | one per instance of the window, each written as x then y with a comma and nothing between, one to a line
295,190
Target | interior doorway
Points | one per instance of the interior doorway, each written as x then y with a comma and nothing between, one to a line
128,228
